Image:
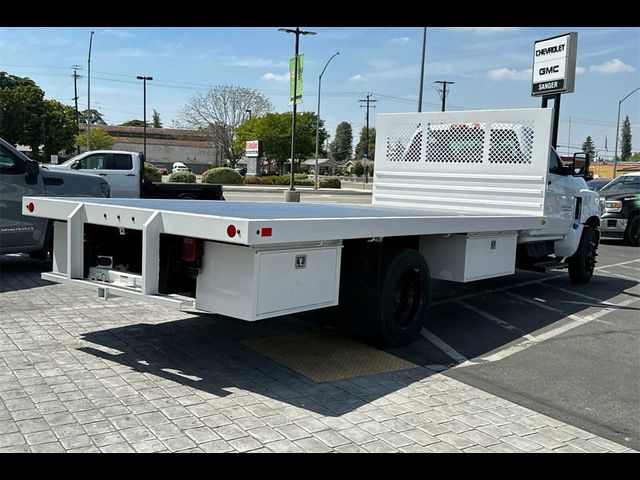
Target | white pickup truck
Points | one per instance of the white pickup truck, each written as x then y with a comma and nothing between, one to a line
125,173
459,196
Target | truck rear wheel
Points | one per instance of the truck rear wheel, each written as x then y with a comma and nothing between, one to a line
583,262
632,233
404,297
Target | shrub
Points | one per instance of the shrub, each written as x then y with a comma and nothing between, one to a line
306,182
331,182
183,177
222,176
252,180
152,173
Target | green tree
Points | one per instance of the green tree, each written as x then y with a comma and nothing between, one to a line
360,148
625,148
156,119
358,169
134,123
341,147
589,147
96,117
274,129
60,128
22,111
100,139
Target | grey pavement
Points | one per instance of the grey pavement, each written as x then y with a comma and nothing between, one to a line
78,373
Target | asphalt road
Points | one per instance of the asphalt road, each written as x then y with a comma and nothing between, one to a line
571,352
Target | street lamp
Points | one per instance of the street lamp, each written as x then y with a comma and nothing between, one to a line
89,94
315,185
297,33
615,156
144,120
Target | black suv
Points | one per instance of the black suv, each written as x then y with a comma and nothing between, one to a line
620,203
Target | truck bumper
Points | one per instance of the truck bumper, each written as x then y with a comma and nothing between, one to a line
613,226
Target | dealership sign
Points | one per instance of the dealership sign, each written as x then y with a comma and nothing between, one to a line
253,148
554,65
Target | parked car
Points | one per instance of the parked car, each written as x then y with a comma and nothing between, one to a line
20,176
123,170
163,170
180,167
620,202
597,183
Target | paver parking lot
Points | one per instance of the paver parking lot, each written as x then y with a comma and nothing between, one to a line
495,372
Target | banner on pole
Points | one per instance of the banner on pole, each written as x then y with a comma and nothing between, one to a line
292,67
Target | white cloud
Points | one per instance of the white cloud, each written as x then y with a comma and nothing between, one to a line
507,74
613,66
580,70
275,77
235,61
401,40
357,78
485,29
116,33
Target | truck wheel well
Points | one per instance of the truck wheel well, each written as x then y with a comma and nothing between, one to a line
593,222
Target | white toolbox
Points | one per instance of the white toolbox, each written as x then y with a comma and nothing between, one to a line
252,283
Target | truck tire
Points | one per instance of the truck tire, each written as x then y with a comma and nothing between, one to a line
632,233
583,262
404,297
186,196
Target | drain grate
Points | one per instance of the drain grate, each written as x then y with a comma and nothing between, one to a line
325,357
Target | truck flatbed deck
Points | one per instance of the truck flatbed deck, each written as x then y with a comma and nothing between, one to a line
264,223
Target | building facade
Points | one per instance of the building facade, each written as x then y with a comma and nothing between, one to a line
166,146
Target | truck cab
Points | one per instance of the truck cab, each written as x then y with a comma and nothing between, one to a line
125,173
121,169
20,176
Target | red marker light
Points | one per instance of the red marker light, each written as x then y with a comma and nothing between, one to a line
266,232
231,231
188,249
31,207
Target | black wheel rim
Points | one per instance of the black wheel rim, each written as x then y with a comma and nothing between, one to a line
591,256
407,298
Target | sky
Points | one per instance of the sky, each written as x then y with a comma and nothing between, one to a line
491,68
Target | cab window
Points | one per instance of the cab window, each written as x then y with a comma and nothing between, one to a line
9,163
555,164
93,162
121,161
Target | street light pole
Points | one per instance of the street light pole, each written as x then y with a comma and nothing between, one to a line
249,112
144,102
89,94
297,33
615,155
424,44
315,185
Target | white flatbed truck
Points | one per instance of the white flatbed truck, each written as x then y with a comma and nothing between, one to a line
458,196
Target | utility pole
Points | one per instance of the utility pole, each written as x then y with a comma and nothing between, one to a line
89,94
144,120
444,84
75,96
297,32
424,44
366,145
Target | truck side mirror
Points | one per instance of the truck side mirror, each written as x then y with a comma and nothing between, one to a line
31,170
580,167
